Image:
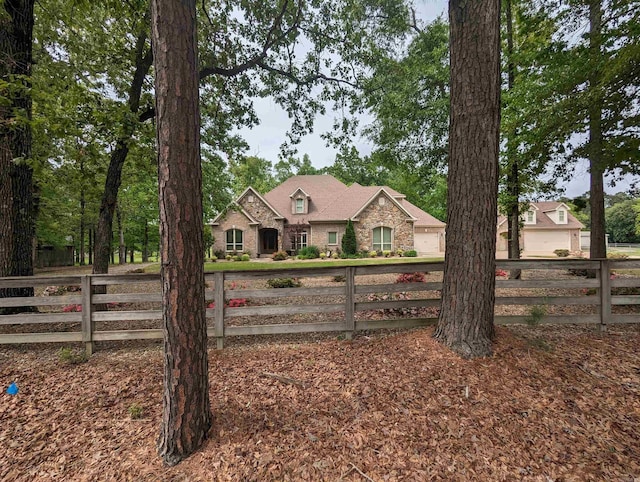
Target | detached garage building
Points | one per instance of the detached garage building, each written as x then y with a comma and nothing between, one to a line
546,226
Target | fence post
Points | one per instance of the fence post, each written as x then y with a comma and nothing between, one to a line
349,309
605,294
87,314
218,299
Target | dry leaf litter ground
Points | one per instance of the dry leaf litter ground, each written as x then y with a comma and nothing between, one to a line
553,403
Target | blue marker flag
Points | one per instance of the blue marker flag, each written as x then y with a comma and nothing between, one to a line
12,389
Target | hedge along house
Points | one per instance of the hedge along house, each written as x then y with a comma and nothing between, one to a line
313,210
545,227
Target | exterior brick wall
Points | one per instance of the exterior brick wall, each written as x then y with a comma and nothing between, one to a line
235,220
320,235
389,215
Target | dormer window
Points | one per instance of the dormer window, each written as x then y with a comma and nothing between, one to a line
530,217
561,217
299,206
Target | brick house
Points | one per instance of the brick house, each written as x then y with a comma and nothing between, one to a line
313,210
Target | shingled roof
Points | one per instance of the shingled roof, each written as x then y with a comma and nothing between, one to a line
331,200
545,222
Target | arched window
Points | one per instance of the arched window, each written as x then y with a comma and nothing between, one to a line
234,240
382,239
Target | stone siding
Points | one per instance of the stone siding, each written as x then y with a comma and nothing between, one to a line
388,215
264,215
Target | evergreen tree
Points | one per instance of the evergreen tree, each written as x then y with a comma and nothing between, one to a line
349,244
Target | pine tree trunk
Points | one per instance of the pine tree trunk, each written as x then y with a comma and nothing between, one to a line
18,206
465,323
598,247
513,174
186,417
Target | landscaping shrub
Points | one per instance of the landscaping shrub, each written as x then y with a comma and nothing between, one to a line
219,254
335,255
213,259
561,253
373,254
280,255
245,257
412,253
309,252
386,253
410,278
284,283
323,255
238,257
400,252
228,257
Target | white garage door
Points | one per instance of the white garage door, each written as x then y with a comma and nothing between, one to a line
426,242
546,241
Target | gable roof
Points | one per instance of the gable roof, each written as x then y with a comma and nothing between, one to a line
543,221
237,207
331,200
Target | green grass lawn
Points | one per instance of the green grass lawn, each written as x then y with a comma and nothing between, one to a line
296,264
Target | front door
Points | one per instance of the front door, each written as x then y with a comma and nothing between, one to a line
268,241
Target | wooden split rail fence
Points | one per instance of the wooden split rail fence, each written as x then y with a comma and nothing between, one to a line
344,301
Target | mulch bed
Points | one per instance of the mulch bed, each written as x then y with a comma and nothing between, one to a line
553,403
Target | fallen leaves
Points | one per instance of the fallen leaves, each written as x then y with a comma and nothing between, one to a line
398,407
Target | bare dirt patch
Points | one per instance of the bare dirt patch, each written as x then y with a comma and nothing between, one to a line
553,403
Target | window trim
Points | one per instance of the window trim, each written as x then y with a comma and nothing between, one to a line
299,207
382,245
234,245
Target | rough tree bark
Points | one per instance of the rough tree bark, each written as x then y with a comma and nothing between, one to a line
465,323
598,247
17,201
513,169
186,417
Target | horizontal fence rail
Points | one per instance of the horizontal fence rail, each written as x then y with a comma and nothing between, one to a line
345,302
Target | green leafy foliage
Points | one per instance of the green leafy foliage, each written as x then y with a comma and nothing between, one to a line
284,283
349,243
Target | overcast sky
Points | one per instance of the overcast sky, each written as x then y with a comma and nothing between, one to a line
265,140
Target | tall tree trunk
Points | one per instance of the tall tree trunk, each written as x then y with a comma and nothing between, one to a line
122,249
186,416
145,243
18,205
132,254
91,245
83,227
513,169
104,230
465,323
598,247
